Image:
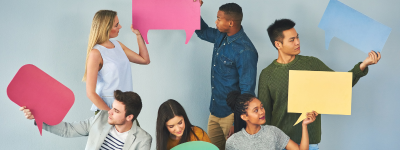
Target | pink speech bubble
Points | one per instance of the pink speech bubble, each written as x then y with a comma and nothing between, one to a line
166,15
48,99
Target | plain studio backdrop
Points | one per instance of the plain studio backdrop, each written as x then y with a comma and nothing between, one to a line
53,35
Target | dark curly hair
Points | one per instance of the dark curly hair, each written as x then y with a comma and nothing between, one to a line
239,104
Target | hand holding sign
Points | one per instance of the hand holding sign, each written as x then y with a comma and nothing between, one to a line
166,15
322,91
47,99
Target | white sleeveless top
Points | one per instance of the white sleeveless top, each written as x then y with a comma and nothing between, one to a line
114,75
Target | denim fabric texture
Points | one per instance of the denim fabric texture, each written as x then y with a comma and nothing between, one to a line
233,67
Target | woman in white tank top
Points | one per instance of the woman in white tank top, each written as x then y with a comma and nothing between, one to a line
108,61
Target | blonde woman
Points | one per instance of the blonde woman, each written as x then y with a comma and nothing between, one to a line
108,61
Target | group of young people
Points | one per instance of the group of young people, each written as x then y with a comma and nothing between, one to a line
238,119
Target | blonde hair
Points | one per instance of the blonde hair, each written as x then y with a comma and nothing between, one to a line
99,32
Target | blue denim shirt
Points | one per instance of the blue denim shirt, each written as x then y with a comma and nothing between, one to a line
233,68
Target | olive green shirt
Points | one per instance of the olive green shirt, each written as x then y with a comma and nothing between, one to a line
273,93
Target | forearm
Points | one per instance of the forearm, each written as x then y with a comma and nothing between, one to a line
304,144
143,52
363,66
358,72
96,100
206,33
67,130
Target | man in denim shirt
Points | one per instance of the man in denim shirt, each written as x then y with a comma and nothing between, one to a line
234,67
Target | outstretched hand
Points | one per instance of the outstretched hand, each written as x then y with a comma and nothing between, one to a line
373,58
27,112
311,116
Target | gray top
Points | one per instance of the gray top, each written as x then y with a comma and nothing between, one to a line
268,138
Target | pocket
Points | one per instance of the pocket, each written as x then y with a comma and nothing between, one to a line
226,65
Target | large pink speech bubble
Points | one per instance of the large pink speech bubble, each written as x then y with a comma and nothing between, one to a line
48,100
166,15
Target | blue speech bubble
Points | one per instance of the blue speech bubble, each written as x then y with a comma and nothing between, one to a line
353,27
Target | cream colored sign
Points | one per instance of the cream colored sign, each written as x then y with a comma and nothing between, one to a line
321,91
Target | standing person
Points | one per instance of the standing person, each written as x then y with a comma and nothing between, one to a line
107,62
110,130
233,67
173,127
273,85
251,134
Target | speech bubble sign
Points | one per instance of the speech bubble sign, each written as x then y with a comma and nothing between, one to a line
166,15
322,91
48,100
353,27
195,145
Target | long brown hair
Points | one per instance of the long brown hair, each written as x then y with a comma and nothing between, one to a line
99,32
168,110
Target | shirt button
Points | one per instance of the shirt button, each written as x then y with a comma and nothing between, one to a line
224,43
212,76
213,99
214,65
212,87
217,53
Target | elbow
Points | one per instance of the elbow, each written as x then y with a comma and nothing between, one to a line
146,62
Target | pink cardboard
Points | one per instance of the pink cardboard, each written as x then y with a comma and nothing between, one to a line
166,15
48,100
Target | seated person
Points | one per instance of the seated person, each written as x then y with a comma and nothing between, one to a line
250,133
173,127
113,130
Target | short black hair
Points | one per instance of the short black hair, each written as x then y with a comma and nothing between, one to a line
132,102
275,30
233,10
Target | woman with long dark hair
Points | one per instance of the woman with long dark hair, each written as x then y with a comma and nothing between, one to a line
250,133
173,127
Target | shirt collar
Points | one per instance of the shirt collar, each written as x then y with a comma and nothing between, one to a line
234,37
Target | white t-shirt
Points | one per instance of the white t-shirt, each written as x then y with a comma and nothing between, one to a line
114,140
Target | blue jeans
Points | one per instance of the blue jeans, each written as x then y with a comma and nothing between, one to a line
312,147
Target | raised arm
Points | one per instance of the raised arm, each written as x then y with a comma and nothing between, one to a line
143,56
94,64
304,144
206,33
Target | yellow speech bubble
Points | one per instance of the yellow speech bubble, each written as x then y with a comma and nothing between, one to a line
321,91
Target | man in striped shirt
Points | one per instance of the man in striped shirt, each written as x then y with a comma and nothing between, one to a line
113,130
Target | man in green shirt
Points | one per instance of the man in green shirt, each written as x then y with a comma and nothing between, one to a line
273,84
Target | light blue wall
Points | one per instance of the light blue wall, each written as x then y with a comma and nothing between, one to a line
53,34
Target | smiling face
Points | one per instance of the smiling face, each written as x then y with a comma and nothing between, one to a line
222,23
116,115
255,112
176,126
115,28
290,44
